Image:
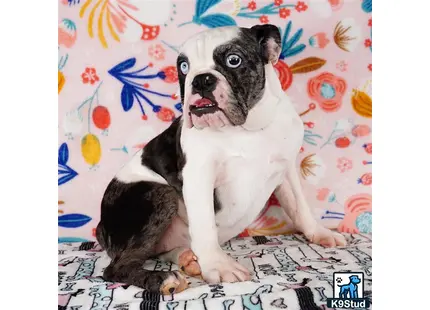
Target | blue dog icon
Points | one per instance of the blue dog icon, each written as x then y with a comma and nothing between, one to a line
350,289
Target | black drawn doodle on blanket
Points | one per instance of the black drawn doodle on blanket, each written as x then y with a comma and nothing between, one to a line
217,290
203,299
279,303
320,290
243,246
253,301
287,263
102,297
123,306
64,299
75,307
85,268
149,300
267,270
331,252
227,303
260,240
61,252
171,305
67,261
68,287
90,246
328,260
364,260
61,275
290,277
228,247
287,286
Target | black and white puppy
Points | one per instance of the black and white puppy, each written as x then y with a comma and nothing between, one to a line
207,177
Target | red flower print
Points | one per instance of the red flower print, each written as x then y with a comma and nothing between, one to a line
366,179
327,90
284,74
156,51
89,76
344,164
369,23
368,43
284,12
368,148
171,74
264,19
252,5
342,142
165,114
278,2
301,6
369,67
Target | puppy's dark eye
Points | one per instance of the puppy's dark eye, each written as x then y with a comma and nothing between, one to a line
233,61
184,67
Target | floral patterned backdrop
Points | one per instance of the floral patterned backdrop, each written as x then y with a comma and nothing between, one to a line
117,88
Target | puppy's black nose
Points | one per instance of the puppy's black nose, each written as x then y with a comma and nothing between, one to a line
205,82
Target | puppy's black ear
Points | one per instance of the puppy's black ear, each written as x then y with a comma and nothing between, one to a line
269,40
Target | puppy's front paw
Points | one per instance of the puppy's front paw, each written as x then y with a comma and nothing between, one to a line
220,267
325,237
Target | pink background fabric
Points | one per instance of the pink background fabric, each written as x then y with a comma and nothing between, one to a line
329,81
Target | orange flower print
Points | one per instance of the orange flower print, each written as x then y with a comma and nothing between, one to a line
344,164
284,13
252,5
369,23
165,114
368,43
156,51
369,67
171,74
89,76
358,215
301,6
264,19
327,90
278,2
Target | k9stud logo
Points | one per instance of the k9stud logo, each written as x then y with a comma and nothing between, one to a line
348,291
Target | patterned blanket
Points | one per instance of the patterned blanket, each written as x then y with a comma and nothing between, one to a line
288,273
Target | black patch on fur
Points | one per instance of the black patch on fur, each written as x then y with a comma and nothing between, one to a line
247,81
182,76
164,155
263,33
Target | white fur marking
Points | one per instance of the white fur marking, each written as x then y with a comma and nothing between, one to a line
134,171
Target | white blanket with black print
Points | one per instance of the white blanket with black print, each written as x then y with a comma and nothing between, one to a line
288,273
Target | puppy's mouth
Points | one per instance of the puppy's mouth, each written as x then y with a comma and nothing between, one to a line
203,106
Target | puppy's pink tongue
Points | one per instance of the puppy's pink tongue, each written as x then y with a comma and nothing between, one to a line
202,102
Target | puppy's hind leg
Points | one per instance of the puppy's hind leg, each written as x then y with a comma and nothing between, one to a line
134,218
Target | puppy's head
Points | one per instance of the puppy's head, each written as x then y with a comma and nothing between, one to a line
221,73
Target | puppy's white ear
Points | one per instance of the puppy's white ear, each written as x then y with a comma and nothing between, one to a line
269,39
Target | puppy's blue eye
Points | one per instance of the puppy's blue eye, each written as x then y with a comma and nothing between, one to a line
184,67
233,61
